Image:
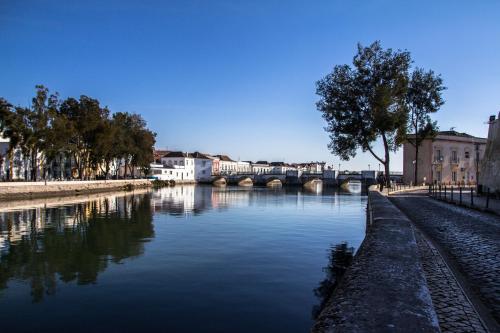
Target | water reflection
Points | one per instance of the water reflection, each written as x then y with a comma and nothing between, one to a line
339,259
71,243
76,242
217,256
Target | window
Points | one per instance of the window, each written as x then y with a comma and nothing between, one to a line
438,157
454,156
467,154
454,176
439,176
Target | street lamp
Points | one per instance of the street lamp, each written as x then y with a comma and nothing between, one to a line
368,166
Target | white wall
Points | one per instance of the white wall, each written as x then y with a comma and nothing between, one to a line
183,168
202,169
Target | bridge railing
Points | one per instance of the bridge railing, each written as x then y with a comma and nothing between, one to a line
229,173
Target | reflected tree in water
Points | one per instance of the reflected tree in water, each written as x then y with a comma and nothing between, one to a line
339,259
75,243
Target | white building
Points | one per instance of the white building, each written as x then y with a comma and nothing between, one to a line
163,172
227,165
203,167
261,167
281,167
244,167
183,165
312,167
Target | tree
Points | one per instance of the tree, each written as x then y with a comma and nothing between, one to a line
366,103
84,117
78,130
135,142
12,127
5,115
423,98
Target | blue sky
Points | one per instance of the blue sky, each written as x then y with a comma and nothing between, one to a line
238,77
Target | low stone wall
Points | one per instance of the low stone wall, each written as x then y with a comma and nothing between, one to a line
29,190
384,290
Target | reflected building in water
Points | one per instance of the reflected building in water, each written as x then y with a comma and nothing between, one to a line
77,241
71,243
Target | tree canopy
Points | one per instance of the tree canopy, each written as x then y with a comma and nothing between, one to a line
423,98
76,131
368,101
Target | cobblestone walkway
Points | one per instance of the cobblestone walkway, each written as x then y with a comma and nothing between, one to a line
454,311
471,239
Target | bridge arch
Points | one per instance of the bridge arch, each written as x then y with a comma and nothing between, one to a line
219,181
273,181
245,181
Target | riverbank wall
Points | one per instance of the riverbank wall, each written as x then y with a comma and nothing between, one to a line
384,290
33,190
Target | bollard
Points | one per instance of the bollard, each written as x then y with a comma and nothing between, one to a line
460,189
445,193
488,198
471,197
451,193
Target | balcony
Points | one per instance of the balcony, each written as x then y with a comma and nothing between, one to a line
454,160
438,160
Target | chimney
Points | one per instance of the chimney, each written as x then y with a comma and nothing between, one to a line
492,118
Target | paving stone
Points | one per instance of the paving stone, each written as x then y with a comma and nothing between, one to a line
471,240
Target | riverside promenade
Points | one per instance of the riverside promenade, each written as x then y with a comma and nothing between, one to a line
460,252
424,266
385,289
41,189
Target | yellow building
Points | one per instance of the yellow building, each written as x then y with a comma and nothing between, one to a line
450,158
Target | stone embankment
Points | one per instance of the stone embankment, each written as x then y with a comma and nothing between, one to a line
385,289
30,190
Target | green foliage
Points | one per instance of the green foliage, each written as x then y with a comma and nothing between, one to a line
373,100
423,98
78,130
366,102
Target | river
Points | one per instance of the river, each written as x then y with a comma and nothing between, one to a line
177,259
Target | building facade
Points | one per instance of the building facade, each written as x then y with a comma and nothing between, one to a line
183,163
243,167
227,166
261,167
202,167
490,166
450,158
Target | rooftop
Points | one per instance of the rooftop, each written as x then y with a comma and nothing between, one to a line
177,154
458,134
224,158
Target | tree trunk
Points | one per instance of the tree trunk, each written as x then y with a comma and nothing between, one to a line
11,164
415,178
33,166
386,162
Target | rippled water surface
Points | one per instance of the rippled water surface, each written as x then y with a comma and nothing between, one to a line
179,259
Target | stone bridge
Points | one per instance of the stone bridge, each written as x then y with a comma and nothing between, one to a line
292,177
